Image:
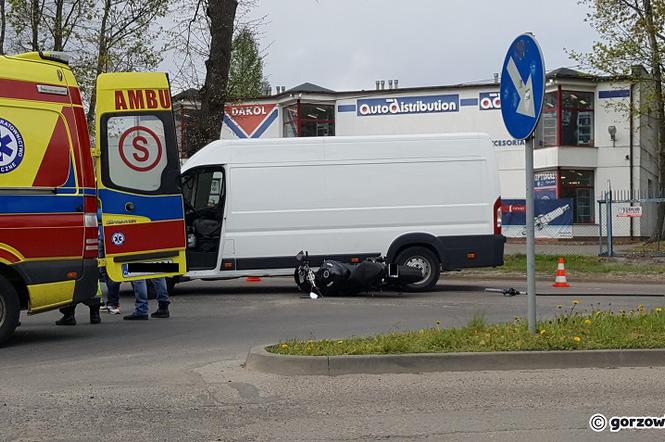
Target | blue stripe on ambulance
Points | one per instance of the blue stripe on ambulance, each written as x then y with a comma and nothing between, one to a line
157,208
10,204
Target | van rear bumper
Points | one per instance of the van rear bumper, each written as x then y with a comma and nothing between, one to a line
86,285
473,251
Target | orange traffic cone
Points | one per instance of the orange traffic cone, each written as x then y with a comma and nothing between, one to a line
560,279
252,279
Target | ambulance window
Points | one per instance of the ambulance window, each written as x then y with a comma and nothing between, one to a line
136,151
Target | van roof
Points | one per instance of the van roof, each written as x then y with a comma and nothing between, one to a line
274,150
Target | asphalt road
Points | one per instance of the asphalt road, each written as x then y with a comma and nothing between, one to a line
182,378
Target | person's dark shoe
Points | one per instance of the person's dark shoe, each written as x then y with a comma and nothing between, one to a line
162,311
135,317
94,315
66,320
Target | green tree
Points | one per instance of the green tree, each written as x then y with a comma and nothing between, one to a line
206,124
3,26
246,70
632,33
123,40
47,25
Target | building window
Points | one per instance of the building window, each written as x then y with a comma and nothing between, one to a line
309,120
578,185
290,121
576,118
567,119
548,129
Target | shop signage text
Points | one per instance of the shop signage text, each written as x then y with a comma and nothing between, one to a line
489,101
507,143
630,212
408,105
249,120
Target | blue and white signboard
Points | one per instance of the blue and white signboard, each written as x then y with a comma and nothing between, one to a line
522,86
408,105
553,218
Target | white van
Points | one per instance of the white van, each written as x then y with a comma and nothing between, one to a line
429,201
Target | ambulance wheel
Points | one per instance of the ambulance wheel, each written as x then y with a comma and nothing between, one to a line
9,310
425,260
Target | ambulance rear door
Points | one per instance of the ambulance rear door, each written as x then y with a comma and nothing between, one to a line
138,177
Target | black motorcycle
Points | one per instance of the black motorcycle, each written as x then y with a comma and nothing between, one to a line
336,278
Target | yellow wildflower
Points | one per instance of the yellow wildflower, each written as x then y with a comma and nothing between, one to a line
542,332
587,322
285,345
340,342
658,309
575,302
577,339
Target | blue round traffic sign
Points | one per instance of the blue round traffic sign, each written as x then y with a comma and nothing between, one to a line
522,86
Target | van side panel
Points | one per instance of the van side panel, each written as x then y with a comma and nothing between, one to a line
364,196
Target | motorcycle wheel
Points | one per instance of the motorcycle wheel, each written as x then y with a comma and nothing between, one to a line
426,261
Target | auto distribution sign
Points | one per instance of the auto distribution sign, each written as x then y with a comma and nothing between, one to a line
522,86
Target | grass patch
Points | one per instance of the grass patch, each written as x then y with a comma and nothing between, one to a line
569,330
577,264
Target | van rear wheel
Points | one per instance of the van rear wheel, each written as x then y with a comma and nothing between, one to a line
9,310
425,260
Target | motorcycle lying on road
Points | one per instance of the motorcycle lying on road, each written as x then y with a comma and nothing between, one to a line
337,278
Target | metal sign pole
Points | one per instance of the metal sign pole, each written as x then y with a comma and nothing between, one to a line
530,236
522,91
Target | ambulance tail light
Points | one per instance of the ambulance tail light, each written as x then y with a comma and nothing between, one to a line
497,216
91,249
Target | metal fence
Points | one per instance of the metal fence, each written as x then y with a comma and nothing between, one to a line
627,218
624,222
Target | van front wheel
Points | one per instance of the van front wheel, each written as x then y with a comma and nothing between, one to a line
9,310
424,260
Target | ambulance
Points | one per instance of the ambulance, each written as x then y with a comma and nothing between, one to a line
52,183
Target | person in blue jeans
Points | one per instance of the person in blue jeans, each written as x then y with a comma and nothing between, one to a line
141,300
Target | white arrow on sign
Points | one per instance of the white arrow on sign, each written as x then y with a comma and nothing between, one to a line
526,105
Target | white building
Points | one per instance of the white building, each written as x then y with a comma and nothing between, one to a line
588,136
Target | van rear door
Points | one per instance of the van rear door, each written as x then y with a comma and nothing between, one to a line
138,177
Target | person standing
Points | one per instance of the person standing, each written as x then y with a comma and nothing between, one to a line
141,300
68,317
112,294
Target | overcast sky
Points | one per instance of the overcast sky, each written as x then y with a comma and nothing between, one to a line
348,44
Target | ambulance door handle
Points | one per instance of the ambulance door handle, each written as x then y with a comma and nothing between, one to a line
129,206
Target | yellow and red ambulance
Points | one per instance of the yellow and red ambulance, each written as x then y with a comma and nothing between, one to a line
52,183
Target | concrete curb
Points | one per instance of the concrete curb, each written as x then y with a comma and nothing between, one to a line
261,360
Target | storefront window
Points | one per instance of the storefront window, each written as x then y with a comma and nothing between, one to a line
576,118
578,185
290,121
548,128
309,120
567,119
